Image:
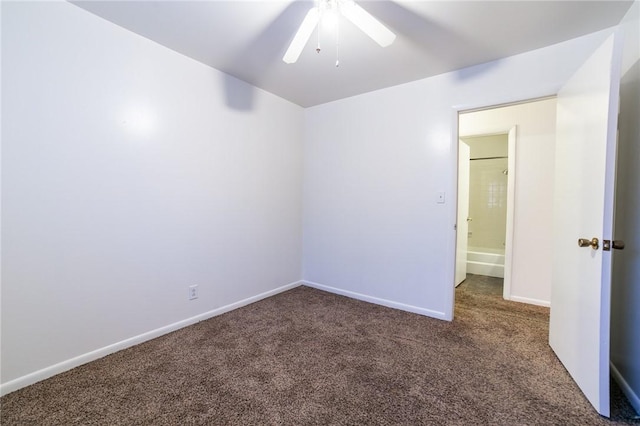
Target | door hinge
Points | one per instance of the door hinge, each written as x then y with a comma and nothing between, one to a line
617,244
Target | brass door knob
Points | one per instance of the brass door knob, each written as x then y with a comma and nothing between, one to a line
594,243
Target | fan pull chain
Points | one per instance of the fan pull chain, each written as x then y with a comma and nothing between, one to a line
337,43
318,28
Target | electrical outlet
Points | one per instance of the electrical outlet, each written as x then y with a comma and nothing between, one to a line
193,292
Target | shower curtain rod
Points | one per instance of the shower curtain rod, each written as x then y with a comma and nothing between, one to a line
487,158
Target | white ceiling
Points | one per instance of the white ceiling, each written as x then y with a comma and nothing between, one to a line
247,39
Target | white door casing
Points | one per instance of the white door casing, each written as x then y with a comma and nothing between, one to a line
462,227
511,203
587,112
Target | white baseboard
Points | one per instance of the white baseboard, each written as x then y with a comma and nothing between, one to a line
538,302
376,300
633,397
63,366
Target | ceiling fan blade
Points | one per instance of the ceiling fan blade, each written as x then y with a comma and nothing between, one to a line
367,23
302,36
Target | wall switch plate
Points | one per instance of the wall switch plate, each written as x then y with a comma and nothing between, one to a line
440,197
193,292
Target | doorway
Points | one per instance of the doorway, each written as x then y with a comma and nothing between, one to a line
487,199
510,218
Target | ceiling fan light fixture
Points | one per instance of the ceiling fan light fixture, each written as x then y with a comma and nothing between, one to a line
347,8
329,18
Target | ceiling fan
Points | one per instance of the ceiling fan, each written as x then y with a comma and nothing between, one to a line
347,8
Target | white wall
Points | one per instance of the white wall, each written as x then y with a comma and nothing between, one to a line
625,297
125,179
533,222
487,146
373,166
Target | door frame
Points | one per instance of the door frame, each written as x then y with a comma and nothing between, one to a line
456,110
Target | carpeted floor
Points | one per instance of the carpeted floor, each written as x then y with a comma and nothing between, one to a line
310,357
481,285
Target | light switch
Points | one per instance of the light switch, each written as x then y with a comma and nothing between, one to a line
440,197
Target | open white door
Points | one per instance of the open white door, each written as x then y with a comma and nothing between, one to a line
462,228
584,190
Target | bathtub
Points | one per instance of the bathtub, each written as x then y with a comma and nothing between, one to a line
484,262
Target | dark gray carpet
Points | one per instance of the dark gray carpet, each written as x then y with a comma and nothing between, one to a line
309,357
482,286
